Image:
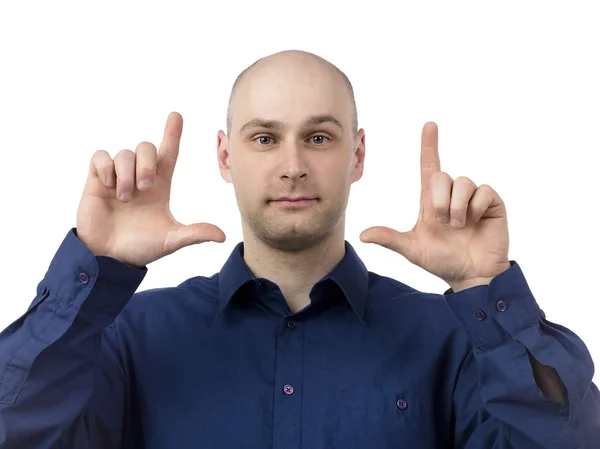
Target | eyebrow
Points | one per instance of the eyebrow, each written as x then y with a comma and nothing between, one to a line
276,124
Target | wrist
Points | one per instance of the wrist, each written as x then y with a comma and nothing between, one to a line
469,283
474,282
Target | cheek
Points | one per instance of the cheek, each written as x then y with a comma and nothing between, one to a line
340,169
242,171
335,179
248,167
248,186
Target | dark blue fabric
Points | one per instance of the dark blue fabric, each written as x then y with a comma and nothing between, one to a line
221,362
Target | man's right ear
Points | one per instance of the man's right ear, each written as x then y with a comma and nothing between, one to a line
223,155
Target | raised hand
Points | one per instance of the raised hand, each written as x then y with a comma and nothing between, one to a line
124,210
467,252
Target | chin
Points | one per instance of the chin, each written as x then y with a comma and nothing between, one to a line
292,243
291,237
294,232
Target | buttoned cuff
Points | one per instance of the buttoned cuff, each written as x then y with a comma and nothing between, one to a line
490,313
75,271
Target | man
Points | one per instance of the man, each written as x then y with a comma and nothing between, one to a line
293,344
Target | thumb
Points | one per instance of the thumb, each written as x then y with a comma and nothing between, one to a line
401,242
185,235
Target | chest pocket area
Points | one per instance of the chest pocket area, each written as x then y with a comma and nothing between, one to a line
382,420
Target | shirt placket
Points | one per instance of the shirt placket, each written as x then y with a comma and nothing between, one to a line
288,392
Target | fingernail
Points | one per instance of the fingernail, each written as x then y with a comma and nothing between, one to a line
125,196
443,218
456,223
145,184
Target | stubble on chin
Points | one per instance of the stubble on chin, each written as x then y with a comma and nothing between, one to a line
289,233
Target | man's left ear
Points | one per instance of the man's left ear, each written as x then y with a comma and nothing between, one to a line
359,155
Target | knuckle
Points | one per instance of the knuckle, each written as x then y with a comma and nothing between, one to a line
107,171
440,204
124,185
486,190
457,211
145,173
124,177
100,154
125,154
146,158
100,158
144,168
464,180
440,209
105,165
441,176
145,145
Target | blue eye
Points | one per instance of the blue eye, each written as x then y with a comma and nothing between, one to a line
261,140
321,138
318,139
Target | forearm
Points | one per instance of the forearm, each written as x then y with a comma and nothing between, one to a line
535,377
50,356
546,377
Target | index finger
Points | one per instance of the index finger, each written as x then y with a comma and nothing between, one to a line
430,157
169,147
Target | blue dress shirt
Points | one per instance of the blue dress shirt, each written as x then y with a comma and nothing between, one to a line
222,362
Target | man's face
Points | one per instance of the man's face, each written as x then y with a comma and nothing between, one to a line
285,144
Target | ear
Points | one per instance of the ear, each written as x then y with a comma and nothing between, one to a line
359,155
223,155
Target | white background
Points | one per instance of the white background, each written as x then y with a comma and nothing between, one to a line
513,87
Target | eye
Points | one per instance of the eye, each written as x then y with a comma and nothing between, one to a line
264,140
319,139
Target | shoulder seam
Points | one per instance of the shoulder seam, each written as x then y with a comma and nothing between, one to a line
403,290
187,282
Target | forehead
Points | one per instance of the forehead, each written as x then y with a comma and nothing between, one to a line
289,92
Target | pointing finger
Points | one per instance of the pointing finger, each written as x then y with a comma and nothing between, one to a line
430,158
169,147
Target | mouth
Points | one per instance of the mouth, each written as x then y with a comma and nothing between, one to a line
291,202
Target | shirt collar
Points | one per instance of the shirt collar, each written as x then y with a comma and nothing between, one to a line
350,274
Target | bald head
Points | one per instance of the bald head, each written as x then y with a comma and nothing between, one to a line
291,60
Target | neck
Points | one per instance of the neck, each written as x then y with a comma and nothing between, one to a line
294,272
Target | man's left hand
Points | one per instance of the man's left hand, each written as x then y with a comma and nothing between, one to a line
464,255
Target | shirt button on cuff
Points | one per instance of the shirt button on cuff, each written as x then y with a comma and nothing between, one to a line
480,315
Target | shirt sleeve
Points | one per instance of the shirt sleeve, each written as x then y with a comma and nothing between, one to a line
61,378
497,400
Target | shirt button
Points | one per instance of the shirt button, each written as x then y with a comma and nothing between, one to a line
288,389
84,278
401,404
480,315
291,324
501,306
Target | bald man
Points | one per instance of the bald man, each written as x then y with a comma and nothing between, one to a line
293,343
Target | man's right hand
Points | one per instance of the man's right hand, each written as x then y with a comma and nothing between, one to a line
124,211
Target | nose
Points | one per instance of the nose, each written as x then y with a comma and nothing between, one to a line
293,164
